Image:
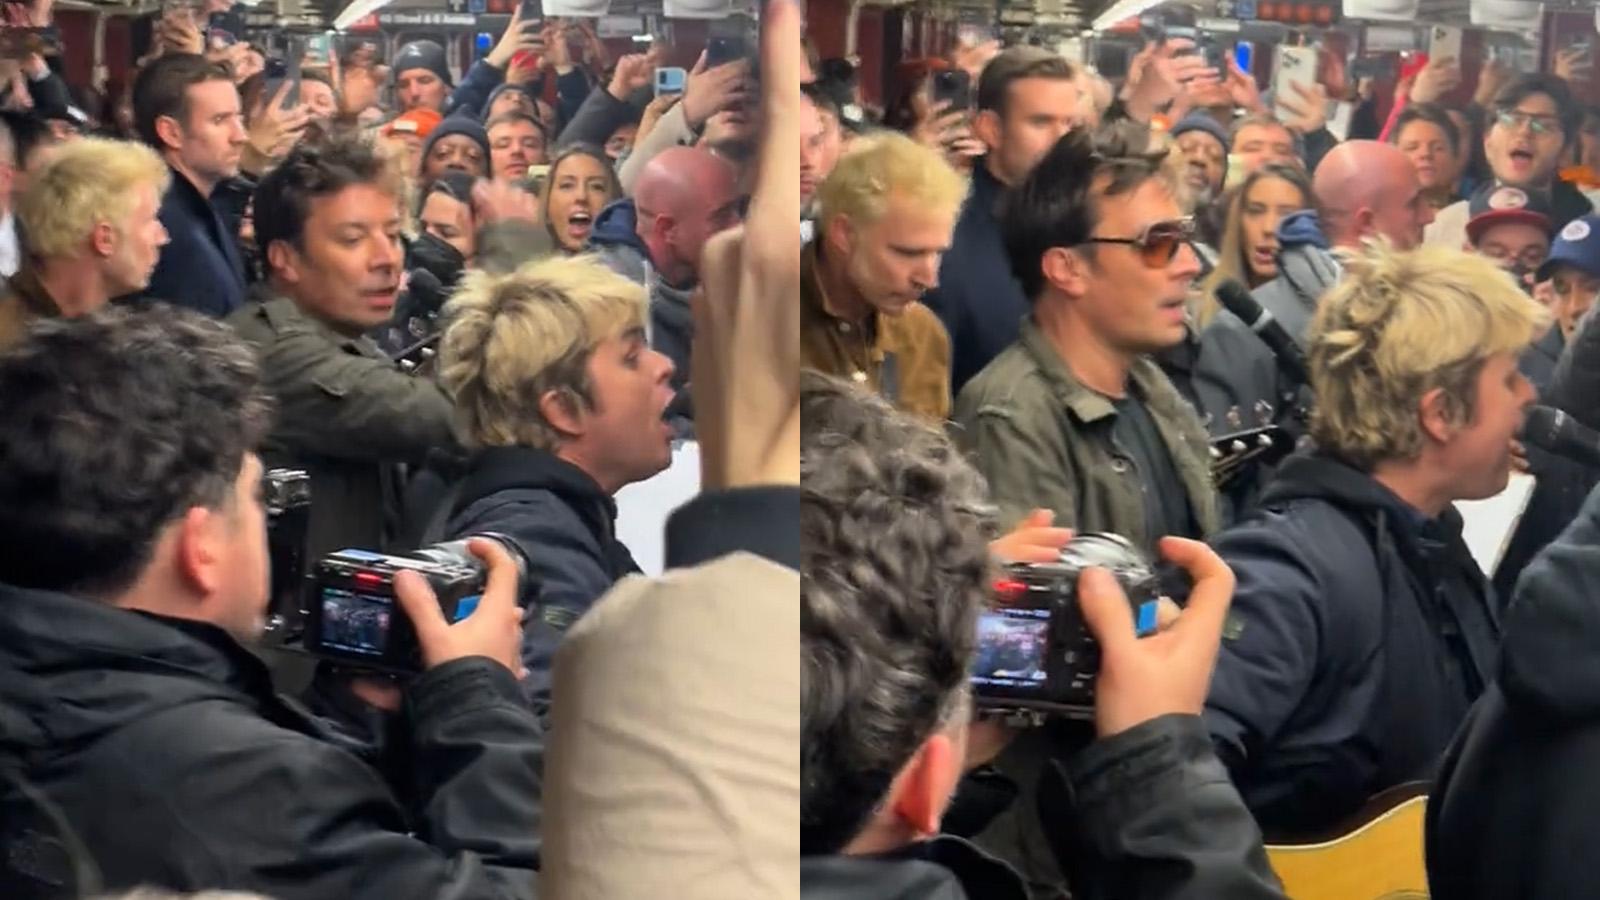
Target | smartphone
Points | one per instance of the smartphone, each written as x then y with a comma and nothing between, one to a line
1583,45
320,48
530,11
670,80
724,50
291,72
482,43
1244,54
1297,68
1444,42
953,86
1215,56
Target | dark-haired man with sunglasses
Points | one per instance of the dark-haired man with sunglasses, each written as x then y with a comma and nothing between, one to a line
1075,417
1535,121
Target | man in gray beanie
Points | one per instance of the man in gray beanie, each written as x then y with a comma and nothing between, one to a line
422,74
1204,146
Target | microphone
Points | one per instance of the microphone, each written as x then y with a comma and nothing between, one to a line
1551,429
1235,298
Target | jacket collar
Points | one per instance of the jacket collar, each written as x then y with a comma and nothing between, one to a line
1087,404
943,867
282,313
32,295
495,469
813,301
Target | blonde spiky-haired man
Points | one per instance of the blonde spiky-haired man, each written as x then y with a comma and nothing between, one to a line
885,217
90,217
1362,629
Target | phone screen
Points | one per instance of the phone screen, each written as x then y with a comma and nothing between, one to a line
291,74
1244,55
670,80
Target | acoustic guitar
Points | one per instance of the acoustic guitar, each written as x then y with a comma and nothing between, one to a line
1233,455
1380,857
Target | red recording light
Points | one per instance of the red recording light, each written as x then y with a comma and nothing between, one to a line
1008,590
368,578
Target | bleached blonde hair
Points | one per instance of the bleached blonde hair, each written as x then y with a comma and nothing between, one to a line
885,165
511,338
83,183
1402,324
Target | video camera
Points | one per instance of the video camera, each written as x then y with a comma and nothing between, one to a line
344,609
1035,653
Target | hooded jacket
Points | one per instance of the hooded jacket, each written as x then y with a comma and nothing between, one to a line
1235,370
1513,809
616,240
1359,635
565,526
155,751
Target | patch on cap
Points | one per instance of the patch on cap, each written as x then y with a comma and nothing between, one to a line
1575,231
405,125
1508,198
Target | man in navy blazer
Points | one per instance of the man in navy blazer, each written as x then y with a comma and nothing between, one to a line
188,109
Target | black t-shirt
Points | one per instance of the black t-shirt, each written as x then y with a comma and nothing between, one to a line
1166,501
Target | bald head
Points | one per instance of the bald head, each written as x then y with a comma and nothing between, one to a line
1366,189
683,196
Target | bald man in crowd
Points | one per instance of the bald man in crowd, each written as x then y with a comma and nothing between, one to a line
1363,189
683,196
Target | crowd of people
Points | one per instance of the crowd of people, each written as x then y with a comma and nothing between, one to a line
458,306
1038,283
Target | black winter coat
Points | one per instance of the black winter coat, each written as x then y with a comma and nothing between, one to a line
566,527
1513,812
1360,634
1148,814
159,745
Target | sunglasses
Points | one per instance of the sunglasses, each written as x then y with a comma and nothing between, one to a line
1158,243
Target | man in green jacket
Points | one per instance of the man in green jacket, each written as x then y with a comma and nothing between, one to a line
1075,417
328,220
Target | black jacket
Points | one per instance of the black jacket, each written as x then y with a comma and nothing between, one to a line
1359,635
1575,384
1148,814
566,527
202,268
161,747
978,299
1513,812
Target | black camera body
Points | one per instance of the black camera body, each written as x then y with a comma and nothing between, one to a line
353,616
1035,653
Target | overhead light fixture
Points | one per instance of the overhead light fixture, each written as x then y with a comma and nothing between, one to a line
357,11
1123,9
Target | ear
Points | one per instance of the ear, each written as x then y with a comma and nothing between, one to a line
200,543
924,787
1364,220
283,261
986,125
103,239
1064,270
170,132
1435,420
562,410
841,236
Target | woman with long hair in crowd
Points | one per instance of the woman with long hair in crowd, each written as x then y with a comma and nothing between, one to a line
580,184
1249,251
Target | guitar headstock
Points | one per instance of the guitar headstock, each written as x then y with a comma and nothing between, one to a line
1233,454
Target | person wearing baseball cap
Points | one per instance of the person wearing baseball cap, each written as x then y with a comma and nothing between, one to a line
1573,270
422,72
1512,227
412,129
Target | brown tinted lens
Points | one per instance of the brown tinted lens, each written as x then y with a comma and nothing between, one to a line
1161,243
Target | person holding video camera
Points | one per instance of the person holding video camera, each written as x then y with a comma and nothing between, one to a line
563,403
328,222
1362,628
135,579
896,567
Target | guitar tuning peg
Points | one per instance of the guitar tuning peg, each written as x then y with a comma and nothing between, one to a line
1234,419
1264,441
427,353
1264,413
408,365
1237,447
1215,453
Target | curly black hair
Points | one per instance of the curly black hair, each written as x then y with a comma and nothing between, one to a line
895,528
112,425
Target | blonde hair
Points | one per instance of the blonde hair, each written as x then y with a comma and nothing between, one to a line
1231,261
512,338
885,165
1402,324
83,183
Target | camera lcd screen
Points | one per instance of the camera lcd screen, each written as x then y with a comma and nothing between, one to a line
355,622
1011,647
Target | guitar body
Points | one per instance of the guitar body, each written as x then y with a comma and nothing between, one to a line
1380,858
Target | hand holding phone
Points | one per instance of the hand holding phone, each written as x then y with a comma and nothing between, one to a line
954,87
